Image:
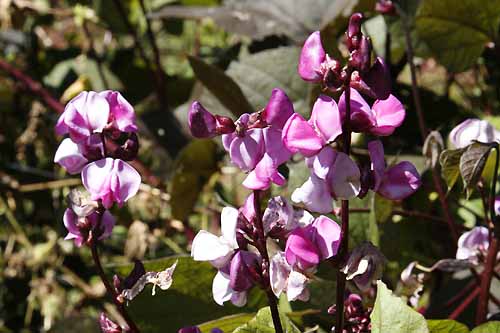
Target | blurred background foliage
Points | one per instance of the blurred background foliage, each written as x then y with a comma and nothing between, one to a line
162,54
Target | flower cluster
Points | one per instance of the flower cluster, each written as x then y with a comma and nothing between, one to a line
356,315
102,137
260,142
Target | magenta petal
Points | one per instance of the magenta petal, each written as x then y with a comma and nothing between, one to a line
311,57
326,236
70,220
278,109
247,151
239,272
325,117
300,136
61,127
362,117
400,181
300,251
227,139
264,173
121,110
125,181
248,208
389,115
108,222
376,151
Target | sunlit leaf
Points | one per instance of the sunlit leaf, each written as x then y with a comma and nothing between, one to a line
489,327
450,165
472,163
263,323
446,326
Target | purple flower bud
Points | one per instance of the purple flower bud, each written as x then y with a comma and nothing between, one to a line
385,7
376,82
360,58
224,125
201,122
190,329
354,27
107,325
216,330
127,151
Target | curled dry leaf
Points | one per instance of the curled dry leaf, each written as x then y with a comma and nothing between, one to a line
161,279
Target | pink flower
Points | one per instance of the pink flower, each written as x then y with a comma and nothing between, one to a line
307,246
79,227
309,137
472,243
70,156
381,119
111,180
334,175
395,183
471,130
91,112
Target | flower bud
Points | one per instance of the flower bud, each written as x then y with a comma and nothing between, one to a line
202,123
191,329
365,264
354,27
128,150
385,7
224,125
107,325
360,58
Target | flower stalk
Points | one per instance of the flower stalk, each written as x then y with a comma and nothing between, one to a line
262,247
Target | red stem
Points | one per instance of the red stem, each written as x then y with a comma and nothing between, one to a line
486,276
464,304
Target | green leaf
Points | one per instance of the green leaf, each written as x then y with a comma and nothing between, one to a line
450,165
446,326
188,301
194,166
457,31
227,323
263,323
472,163
221,86
391,314
489,327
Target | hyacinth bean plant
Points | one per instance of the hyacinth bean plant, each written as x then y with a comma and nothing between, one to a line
284,239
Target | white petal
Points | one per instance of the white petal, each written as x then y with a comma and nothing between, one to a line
297,287
239,299
207,247
221,290
279,271
229,219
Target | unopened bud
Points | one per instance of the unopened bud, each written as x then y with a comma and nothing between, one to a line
191,329
128,150
224,125
202,123
360,58
107,325
385,7
354,27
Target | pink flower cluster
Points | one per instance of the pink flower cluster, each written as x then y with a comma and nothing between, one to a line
102,135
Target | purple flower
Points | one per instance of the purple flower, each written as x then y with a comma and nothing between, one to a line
79,227
309,137
334,175
396,182
107,325
307,246
70,156
280,217
472,243
91,112
381,119
190,329
471,130
111,180
365,264
203,124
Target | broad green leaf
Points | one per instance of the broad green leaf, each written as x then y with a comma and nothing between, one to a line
446,326
450,165
263,323
391,314
489,327
457,31
227,323
188,301
221,86
194,166
472,163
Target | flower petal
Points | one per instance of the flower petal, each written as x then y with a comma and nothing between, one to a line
345,178
362,117
389,114
376,151
125,181
221,290
208,247
121,110
326,235
247,151
297,287
96,177
400,181
278,272
325,117
278,109
300,136
70,157
321,163
229,220
300,251
311,57
315,195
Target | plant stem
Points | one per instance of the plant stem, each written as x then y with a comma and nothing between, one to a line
344,215
111,290
262,247
464,304
489,266
421,123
